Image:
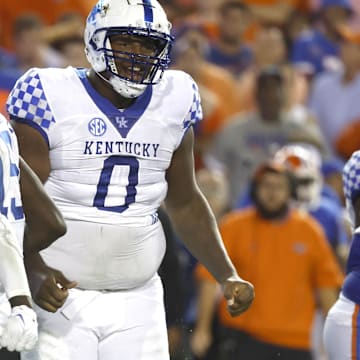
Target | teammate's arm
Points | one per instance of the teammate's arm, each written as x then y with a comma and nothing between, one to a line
12,271
20,330
44,221
197,228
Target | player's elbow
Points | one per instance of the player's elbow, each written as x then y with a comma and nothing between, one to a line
56,227
38,238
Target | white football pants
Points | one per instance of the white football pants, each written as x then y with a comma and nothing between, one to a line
341,331
96,325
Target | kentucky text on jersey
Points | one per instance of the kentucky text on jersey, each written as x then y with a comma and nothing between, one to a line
119,147
110,163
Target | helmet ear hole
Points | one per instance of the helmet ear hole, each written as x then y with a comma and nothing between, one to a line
293,186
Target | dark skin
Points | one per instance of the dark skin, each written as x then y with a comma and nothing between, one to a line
186,206
44,224
357,212
188,211
269,98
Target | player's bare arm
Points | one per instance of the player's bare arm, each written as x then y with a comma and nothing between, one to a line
34,150
196,226
44,223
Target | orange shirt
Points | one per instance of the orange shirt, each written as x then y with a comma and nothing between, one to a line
286,261
222,84
297,4
3,98
49,11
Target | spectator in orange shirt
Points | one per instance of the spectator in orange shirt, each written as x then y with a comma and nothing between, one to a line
286,256
66,36
50,11
30,46
276,12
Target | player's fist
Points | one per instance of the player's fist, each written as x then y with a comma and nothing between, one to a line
239,295
21,329
49,287
53,291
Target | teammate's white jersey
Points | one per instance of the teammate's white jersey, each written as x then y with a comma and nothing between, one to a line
12,219
108,165
10,198
107,169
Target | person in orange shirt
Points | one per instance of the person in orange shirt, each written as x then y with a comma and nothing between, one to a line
276,12
50,11
286,256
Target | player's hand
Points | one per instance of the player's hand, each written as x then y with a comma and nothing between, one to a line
239,295
53,290
49,287
21,329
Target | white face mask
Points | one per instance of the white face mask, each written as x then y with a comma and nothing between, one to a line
124,88
310,193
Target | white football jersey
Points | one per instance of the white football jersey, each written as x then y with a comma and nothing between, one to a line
107,169
10,198
108,164
12,220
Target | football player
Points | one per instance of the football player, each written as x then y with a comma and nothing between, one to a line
341,331
18,324
111,143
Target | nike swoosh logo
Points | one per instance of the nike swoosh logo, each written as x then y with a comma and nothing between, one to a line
21,317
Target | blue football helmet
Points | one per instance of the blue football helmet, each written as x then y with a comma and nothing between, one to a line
140,21
351,183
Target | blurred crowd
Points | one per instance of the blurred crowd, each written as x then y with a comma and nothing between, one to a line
280,83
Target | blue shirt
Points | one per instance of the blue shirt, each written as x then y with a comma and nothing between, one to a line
329,216
8,78
9,72
235,63
351,286
312,48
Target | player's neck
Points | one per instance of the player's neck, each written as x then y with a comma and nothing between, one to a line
107,91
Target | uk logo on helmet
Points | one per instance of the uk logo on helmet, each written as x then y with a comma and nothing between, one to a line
97,126
100,8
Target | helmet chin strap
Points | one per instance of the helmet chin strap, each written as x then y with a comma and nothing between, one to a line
123,87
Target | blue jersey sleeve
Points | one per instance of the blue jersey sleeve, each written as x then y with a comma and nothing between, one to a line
351,177
195,113
27,103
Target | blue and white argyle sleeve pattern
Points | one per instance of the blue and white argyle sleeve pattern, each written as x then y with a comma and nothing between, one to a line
195,113
27,103
351,176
